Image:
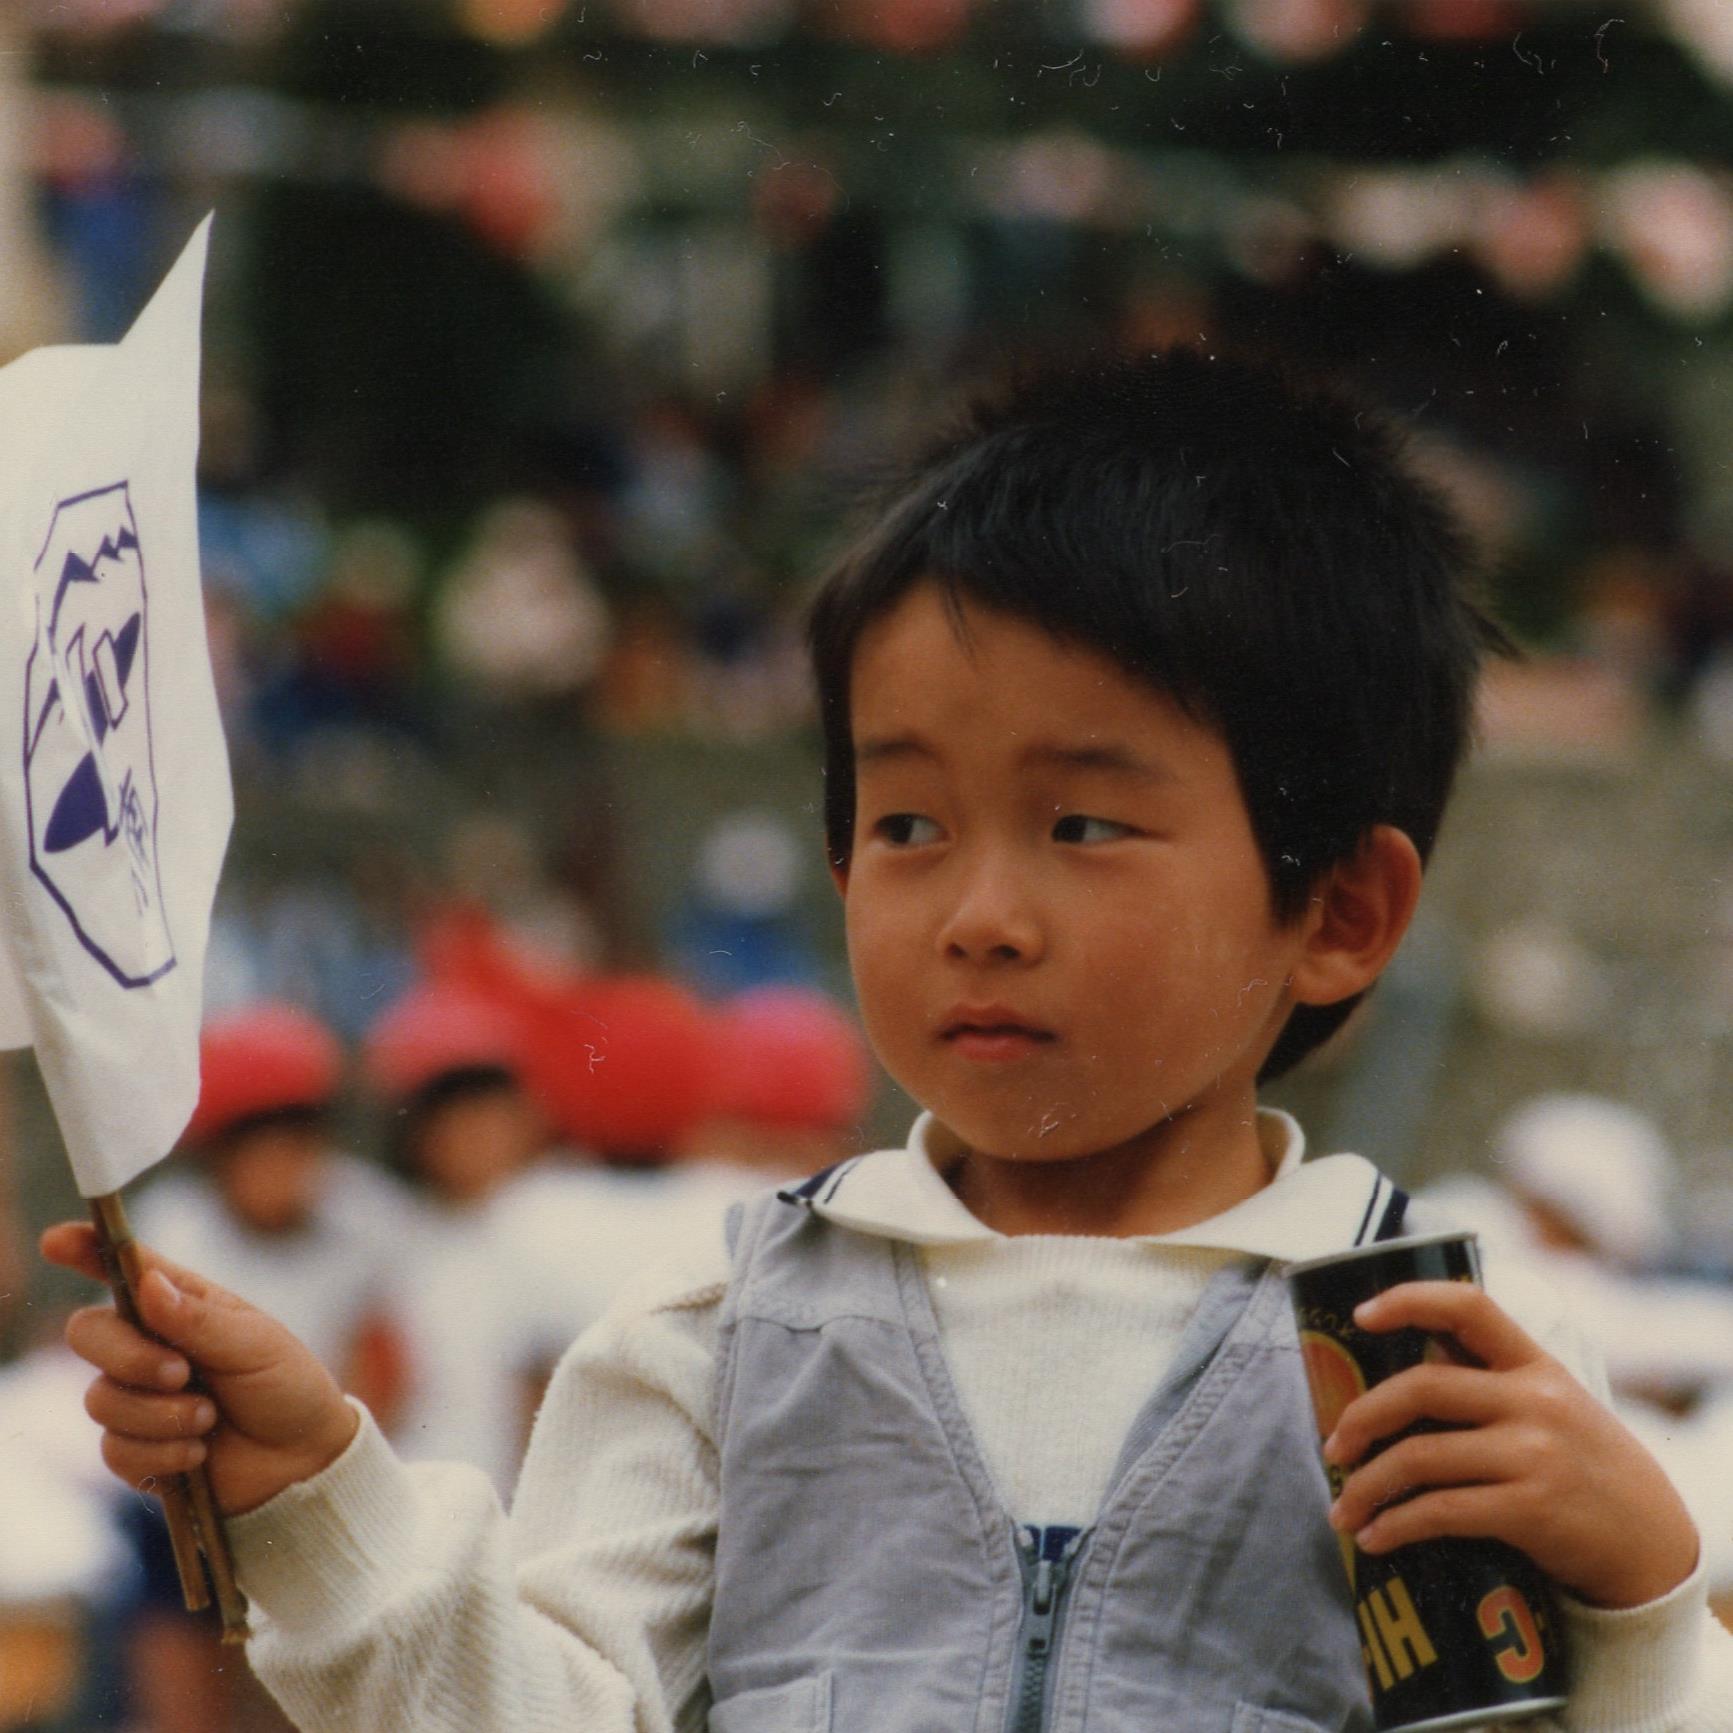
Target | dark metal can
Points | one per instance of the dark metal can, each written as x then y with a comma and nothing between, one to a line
1455,1633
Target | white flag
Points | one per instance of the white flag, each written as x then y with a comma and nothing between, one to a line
115,802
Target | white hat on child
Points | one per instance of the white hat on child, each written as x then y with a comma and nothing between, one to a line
1603,1166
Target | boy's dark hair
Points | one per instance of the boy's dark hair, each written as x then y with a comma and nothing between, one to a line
1253,546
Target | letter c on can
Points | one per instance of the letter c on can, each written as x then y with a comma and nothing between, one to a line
1509,1626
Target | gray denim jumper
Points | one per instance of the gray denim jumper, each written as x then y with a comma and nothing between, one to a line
869,1580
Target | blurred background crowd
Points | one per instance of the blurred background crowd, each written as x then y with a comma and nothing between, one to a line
549,344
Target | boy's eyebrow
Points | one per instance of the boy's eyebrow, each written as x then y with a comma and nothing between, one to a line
878,748
1110,756
1090,755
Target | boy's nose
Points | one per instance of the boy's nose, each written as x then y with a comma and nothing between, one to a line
992,920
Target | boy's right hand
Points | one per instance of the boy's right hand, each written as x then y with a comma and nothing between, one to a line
270,1413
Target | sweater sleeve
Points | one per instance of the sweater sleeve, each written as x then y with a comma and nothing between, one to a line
1666,1667
393,1595
1662,1668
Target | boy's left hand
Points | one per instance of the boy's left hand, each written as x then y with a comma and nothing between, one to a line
1531,1459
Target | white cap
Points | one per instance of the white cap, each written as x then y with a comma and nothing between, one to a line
1601,1165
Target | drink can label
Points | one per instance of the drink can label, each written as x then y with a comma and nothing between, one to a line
1454,1633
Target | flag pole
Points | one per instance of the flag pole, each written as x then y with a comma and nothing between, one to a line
194,1523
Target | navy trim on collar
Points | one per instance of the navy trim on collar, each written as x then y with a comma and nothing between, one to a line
821,1188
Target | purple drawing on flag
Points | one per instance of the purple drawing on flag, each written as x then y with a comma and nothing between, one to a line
89,777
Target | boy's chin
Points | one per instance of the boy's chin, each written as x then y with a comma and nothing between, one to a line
1056,1137
1049,1141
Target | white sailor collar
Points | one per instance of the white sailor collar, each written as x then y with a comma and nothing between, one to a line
1309,1208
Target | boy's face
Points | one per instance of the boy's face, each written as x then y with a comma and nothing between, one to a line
1058,920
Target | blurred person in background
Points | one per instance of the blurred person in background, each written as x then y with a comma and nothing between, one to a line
260,1192
352,667
519,618
627,1068
504,910
519,627
1584,1193
1594,1182
445,1066
65,1572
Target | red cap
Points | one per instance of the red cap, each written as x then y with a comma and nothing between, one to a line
464,947
434,1030
625,1065
265,1059
791,1057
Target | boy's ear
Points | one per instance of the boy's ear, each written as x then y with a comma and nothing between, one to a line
838,874
1359,913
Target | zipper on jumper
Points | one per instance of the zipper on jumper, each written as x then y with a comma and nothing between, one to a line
1045,1557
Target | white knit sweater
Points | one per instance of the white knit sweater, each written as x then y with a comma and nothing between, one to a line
402,1597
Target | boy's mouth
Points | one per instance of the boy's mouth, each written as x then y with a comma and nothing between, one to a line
992,1032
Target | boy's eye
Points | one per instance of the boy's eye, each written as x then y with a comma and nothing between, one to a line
1078,827
904,829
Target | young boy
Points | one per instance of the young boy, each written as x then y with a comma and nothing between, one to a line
1142,700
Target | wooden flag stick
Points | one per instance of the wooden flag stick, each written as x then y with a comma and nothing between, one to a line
194,1524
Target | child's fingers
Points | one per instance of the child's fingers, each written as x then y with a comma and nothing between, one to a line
142,1462
1479,1326
1427,1460
140,1415
1446,1512
180,1309
219,1331
100,1335
1455,1395
72,1245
